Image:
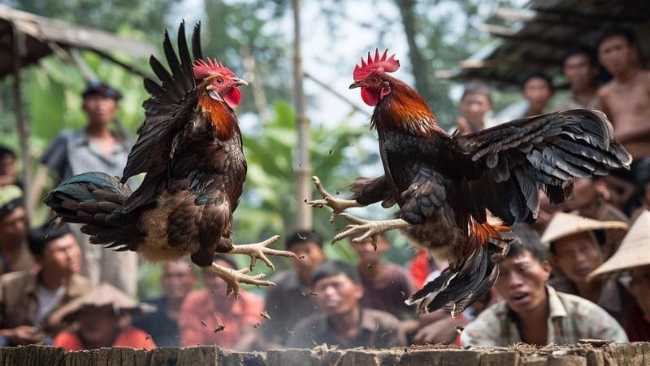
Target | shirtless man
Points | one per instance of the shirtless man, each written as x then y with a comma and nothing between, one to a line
626,98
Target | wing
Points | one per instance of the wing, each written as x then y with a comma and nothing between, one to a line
506,165
169,108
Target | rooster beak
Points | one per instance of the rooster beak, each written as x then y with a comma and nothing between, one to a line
240,82
356,84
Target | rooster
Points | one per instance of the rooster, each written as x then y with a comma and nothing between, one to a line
190,148
458,194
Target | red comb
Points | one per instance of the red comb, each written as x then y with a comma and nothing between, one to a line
209,66
381,63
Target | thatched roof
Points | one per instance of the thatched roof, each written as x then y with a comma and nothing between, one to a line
43,35
540,35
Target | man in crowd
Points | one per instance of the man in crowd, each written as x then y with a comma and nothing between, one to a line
14,255
98,147
27,299
178,279
210,317
580,71
538,90
633,260
475,104
385,285
532,311
576,252
342,320
293,290
8,171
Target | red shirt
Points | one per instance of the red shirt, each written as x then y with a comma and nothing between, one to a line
130,337
202,323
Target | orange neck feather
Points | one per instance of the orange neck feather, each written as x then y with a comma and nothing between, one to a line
220,115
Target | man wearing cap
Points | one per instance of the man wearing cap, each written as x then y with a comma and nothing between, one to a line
14,255
633,259
534,312
100,148
575,246
27,298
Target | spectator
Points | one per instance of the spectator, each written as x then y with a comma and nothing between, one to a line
633,256
28,299
96,148
626,98
533,312
162,324
8,171
14,255
576,252
537,90
210,317
101,318
293,290
385,285
580,70
343,321
475,104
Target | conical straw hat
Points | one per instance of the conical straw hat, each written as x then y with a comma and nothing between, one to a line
634,250
565,224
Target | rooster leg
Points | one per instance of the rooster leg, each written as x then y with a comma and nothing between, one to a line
337,205
363,229
259,251
234,277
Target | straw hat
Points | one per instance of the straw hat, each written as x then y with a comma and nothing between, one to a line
565,224
100,296
634,250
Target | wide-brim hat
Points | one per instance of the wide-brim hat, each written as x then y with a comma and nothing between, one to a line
565,224
634,250
103,295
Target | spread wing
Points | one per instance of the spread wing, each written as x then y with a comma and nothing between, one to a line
509,163
169,108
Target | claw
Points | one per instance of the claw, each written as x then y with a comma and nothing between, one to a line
338,205
234,277
362,229
259,251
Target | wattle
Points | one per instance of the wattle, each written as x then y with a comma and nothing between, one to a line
369,97
233,98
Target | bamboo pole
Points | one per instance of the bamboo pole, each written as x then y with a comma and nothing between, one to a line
302,167
22,128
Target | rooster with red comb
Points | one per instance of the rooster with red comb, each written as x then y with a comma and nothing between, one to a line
458,194
190,148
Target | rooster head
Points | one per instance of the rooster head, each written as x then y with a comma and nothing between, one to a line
218,82
371,76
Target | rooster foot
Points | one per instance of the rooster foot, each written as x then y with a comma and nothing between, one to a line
259,251
363,229
338,205
234,277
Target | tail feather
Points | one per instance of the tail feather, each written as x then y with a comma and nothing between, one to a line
459,285
95,200
481,233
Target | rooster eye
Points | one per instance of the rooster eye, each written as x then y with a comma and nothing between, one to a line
220,81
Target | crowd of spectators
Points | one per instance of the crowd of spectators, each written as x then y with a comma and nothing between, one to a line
581,271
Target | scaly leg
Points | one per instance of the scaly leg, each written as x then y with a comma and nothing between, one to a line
363,229
234,277
259,251
338,205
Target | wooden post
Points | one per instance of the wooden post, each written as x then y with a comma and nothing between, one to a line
18,49
302,167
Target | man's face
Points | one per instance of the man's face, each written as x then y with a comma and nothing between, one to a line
584,194
177,279
337,294
7,171
12,226
310,255
474,107
100,110
62,256
640,288
537,92
522,282
616,54
97,325
577,256
367,253
579,71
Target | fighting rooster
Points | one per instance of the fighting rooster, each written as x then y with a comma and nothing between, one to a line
190,148
451,189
